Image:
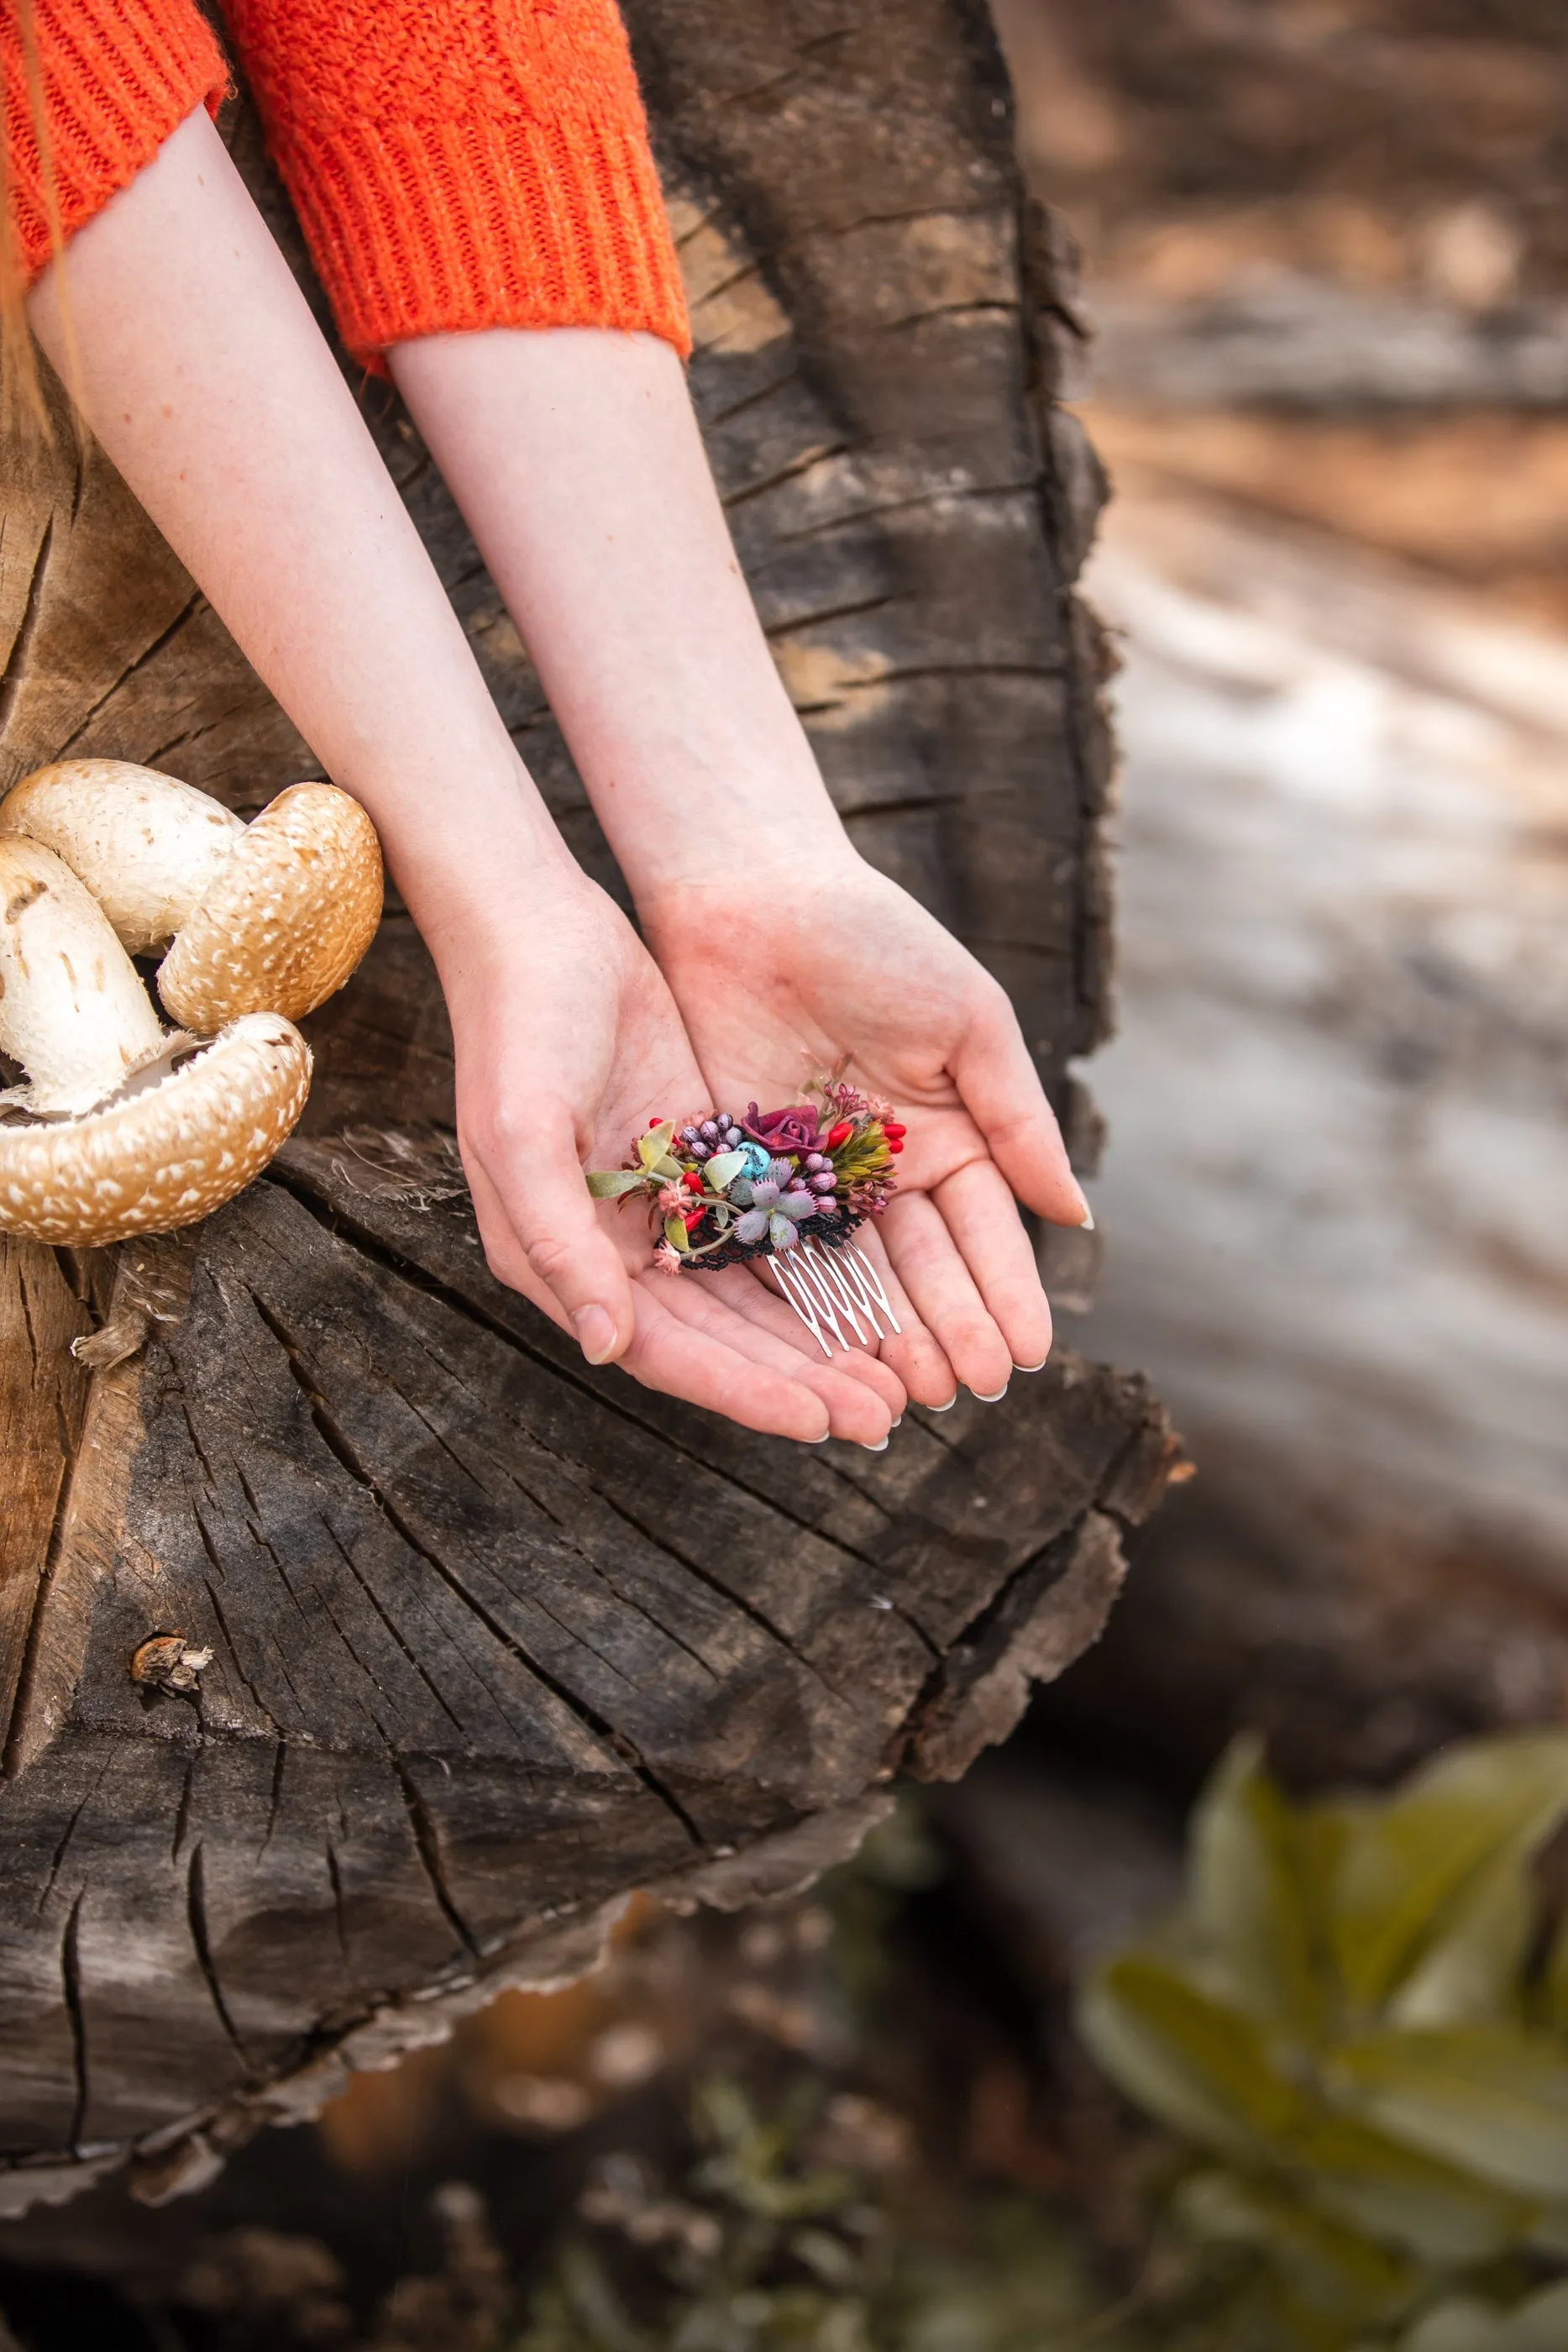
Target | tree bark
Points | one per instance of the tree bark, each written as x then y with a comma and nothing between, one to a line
495,1638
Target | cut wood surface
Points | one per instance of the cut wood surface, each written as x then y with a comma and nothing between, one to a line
495,1639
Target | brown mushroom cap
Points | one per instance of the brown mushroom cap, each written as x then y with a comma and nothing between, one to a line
146,845
169,1150
286,919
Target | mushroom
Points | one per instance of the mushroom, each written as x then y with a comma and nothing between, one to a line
135,1130
269,917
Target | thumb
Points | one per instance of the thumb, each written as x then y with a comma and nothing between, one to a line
554,1221
1002,1091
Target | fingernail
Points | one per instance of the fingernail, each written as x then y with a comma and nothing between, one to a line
595,1328
898,1424
1086,1223
1033,1367
944,1408
980,1398
880,1448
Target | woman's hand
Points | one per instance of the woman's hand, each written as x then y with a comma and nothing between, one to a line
781,973
568,1045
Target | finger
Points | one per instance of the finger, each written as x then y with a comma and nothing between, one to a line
914,1353
1003,1094
940,1283
982,1217
854,1410
757,1300
549,1213
669,1354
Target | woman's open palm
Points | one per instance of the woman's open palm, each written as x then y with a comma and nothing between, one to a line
779,976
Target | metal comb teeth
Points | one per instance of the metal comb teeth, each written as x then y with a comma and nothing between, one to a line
833,1287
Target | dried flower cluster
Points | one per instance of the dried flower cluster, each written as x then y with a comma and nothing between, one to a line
727,1189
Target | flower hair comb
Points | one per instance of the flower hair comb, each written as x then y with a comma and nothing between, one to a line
785,1187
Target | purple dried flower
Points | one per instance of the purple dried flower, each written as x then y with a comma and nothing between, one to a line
782,1171
752,1226
825,1182
794,1128
764,1193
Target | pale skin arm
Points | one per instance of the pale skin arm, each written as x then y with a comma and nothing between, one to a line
576,457
204,375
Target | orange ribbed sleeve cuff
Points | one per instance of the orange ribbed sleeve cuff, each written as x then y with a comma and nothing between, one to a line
464,164
90,100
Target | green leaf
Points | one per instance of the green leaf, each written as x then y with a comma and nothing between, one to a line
609,1183
1333,2268
1428,1865
676,1233
723,1168
654,1146
1459,2326
1246,1911
1198,2065
1442,2216
1540,2323
1555,1988
1492,2100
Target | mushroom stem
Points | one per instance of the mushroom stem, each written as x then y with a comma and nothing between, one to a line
73,1011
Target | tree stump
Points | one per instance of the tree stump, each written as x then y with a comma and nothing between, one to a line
495,1639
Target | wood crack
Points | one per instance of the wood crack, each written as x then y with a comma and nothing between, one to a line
429,1853
149,653
19,663
344,1453
71,1994
196,1919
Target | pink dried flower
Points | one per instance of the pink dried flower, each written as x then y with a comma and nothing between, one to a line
666,1260
674,1200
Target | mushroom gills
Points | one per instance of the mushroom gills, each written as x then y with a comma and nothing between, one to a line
73,1011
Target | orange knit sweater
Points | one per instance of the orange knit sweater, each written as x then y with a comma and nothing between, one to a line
455,163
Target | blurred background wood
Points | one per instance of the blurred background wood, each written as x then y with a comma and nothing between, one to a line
495,1639
1327,258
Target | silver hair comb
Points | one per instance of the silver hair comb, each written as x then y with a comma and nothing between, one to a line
822,1284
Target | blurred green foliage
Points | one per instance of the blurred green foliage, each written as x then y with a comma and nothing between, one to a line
764,2250
1357,2022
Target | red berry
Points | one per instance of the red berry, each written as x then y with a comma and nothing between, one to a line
654,1122
893,1128
840,1134
896,1142
694,1217
693,1179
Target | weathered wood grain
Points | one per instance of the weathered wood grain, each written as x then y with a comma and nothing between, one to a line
495,1638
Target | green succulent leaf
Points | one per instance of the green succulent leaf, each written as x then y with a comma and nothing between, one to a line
1199,2066
1439,2214
609,1183
654,1147
676,1233
723,1168
1539,2323
1333,2269
1421,1903
1491,2099
1248,1917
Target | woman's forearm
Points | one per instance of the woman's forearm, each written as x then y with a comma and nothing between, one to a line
577,460
208,383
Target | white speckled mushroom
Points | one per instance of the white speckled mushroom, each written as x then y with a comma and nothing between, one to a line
72,1010
133,1131
146,845
168,1151
269,917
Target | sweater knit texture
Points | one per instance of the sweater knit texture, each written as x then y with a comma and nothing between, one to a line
455,165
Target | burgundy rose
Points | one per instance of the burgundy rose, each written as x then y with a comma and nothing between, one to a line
795,1130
